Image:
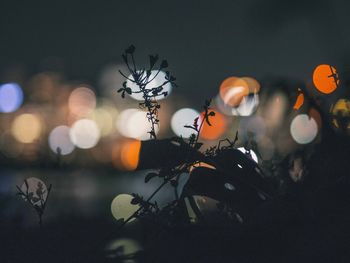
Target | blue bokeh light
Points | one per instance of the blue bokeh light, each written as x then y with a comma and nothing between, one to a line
11,97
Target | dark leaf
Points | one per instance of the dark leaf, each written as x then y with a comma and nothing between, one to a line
165,93
212,113
198,145
164,64
120,90
35,199
149,176
128,90
153,60
123,94
130,49
124,84
136,200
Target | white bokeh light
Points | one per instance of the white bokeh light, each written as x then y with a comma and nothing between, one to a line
303,129
133,123
182,117
84,133
59,138
157,81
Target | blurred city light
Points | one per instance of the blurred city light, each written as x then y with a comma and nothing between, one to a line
182,117
11,97
158,80
59,140
84,133
122,208
125,154
133,123
325,78
82,101
217,128
27,128
303,129
31,185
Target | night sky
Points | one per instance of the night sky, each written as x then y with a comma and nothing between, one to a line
203,42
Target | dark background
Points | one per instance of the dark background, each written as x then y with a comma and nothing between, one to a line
203,41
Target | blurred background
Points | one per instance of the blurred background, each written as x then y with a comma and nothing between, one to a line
63,122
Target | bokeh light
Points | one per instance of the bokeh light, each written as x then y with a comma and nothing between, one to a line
11,97
130,155
299,102
325,78
303,129
126,154
33,185
27,128
341,114
82,101
233,90
217,128
250,153
182,117
133,123
59,138
253,127
122,208
84,133
157,81
104,120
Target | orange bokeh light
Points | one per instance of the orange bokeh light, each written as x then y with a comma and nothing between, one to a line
125,155
299,102
325,78
233,90
217,128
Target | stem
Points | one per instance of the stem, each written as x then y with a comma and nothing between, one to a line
148,200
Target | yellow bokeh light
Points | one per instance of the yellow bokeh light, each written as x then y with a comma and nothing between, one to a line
122,208
26,128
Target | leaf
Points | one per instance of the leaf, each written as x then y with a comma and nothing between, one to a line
120,90
128,90
165,93
164,64
153,60
35,199
212,113
130,49
149,176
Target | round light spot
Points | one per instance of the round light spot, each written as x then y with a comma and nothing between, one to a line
303,129
122,208
59,140
37,188
26,128
158,80
133,123
217,128
325,78
82,101
11,97
181,118
104,121
84,134
250,153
